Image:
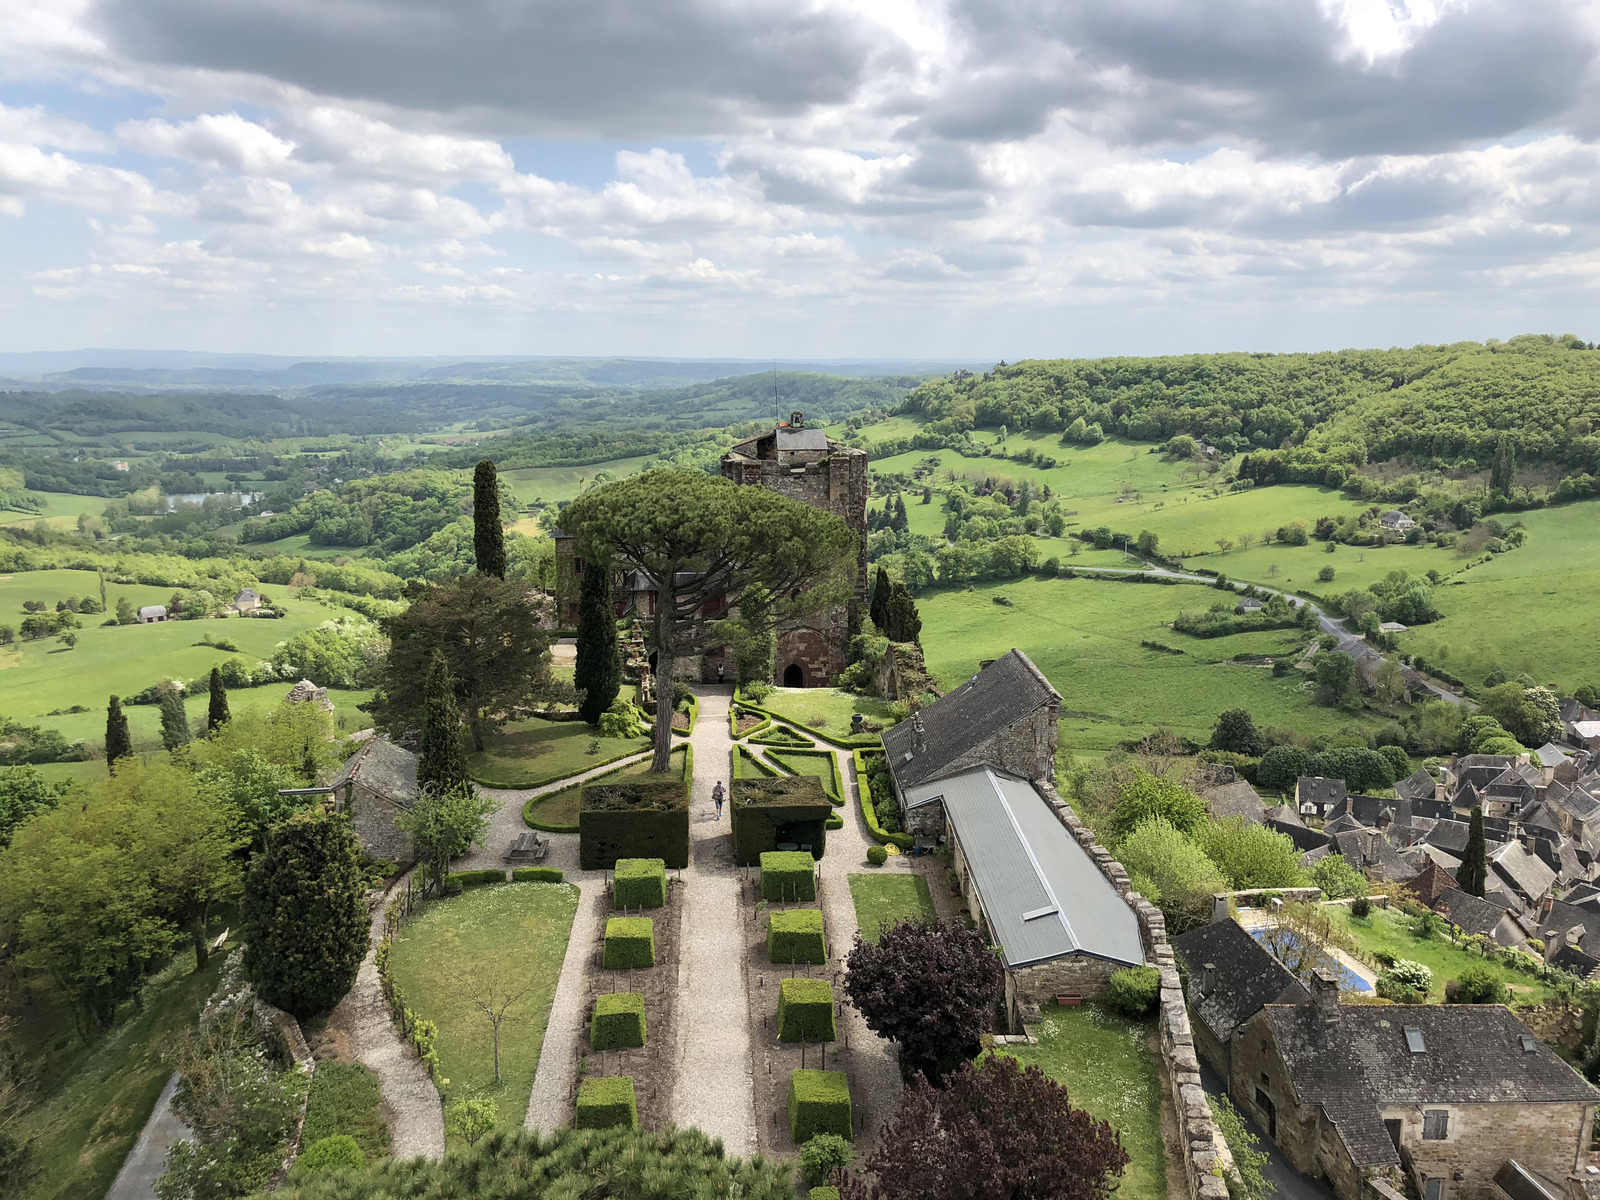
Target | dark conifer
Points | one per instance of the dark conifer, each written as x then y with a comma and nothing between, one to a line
1473,872
901,522
443,763
174,720
878,610
217,714
597,673
119,742
488,537
905,623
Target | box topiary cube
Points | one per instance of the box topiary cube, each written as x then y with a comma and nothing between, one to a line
788,875
805,1011
630,942
640,883
607,1103
618,1021
785,808
633,817
819,1102
796,937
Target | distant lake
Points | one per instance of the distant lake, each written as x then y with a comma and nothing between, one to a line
239,499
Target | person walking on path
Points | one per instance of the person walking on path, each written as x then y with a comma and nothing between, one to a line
720,671
716,796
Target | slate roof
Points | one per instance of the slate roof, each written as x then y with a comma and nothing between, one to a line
1285,814
1368,809
1428,884
1550,755
1304,839
1474,914
1042,893
1313,789
1235,800
1368,850
999,695
1529,877
1473,1055
383,768
1247,977
1417,786
1564,916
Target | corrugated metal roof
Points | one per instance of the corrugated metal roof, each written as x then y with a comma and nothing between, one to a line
1044,896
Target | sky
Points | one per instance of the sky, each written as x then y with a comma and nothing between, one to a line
900,178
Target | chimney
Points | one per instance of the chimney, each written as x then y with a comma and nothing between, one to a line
1552,944
1546,907
1208,979
1325,994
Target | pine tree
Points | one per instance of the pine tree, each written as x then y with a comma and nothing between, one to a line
878,610
488,538
119,742
174,719
1503,469
217,714
598,670
901,523
443,763
905,624
1473,872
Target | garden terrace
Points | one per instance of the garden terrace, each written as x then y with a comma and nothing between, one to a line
634,818
783,810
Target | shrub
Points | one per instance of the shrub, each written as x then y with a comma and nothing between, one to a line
633,818
1149,796
333,1153
1361,908
538,875
1337,878
796,937
607,1103
466,879
1412,974
834,821
618,1021
345,1099
1476,985
788,875
1392,989
877,855
805,1011
819,1102
630,942
821,1157
1134,990
640,883
1399,760
824,1192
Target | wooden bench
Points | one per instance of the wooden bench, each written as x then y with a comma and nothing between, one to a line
528,847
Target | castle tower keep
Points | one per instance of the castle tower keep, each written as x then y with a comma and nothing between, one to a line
807,465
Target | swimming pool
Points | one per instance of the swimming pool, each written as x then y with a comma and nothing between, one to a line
1348,980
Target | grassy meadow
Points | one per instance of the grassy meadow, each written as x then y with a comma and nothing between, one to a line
551,484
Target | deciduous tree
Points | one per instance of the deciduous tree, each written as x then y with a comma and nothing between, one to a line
1146,796
444,824
1236,733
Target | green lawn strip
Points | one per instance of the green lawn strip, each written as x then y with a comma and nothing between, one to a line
806,706
345,1099
533,752
884,899
1105,1062
1391,932
557,812
747,764
86,1127
516,930
823,764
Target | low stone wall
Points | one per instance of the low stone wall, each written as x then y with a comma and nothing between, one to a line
1205,1153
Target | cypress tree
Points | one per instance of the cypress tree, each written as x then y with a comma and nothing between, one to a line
444,756
1503,469
901,521
174,719
1473,872
878,610
119,742
905,623
217,714
488,538
598,670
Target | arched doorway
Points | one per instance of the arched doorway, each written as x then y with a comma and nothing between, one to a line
652,662
793,676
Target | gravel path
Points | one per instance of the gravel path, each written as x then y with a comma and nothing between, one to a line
412,1102
715,1091
549,1107
147,1161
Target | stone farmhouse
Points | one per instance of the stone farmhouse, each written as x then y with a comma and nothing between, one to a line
1396,521
378,783
791,460
153,614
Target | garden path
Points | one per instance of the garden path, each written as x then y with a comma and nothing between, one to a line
715,1090
565,1034
147,1161
417,1128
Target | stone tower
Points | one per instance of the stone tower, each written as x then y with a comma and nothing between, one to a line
809,466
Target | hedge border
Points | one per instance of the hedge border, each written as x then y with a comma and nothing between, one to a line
734,711
538,875
867,740
770,740
466,879
864,795
779,868
743,758
547,827
837,792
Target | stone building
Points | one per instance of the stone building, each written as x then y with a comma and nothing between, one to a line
1231,978
1005,714
377,784
809,466
1442,1095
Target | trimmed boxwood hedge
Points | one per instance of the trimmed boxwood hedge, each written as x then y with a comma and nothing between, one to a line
805,1011
819,1102
538,875
634,817
630,942
788,875
787,759
640,883
864,793
618,1021
796,936
798,804
782,735
834,821
607,1103
466,879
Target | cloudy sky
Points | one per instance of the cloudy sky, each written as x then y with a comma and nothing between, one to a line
949,178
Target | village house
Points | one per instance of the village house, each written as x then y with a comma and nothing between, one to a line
1231,976
1315,796
247,601
378,783
153,614
1248,605
1441,1095
1396,521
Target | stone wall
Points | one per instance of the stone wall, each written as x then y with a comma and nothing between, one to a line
1205,1154
1079,975
1546,1138
818,654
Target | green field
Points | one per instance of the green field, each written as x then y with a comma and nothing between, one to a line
498,936
1108,1066
551,484
1084,634
883,898
61,511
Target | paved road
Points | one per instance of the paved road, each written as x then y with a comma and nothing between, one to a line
1286,1182
148,1159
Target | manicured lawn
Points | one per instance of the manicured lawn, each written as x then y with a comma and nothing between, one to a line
1085,635
882,899
561,808
824,708
807,764
96,1102
513,932
1109,1069
1391,931
533,752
